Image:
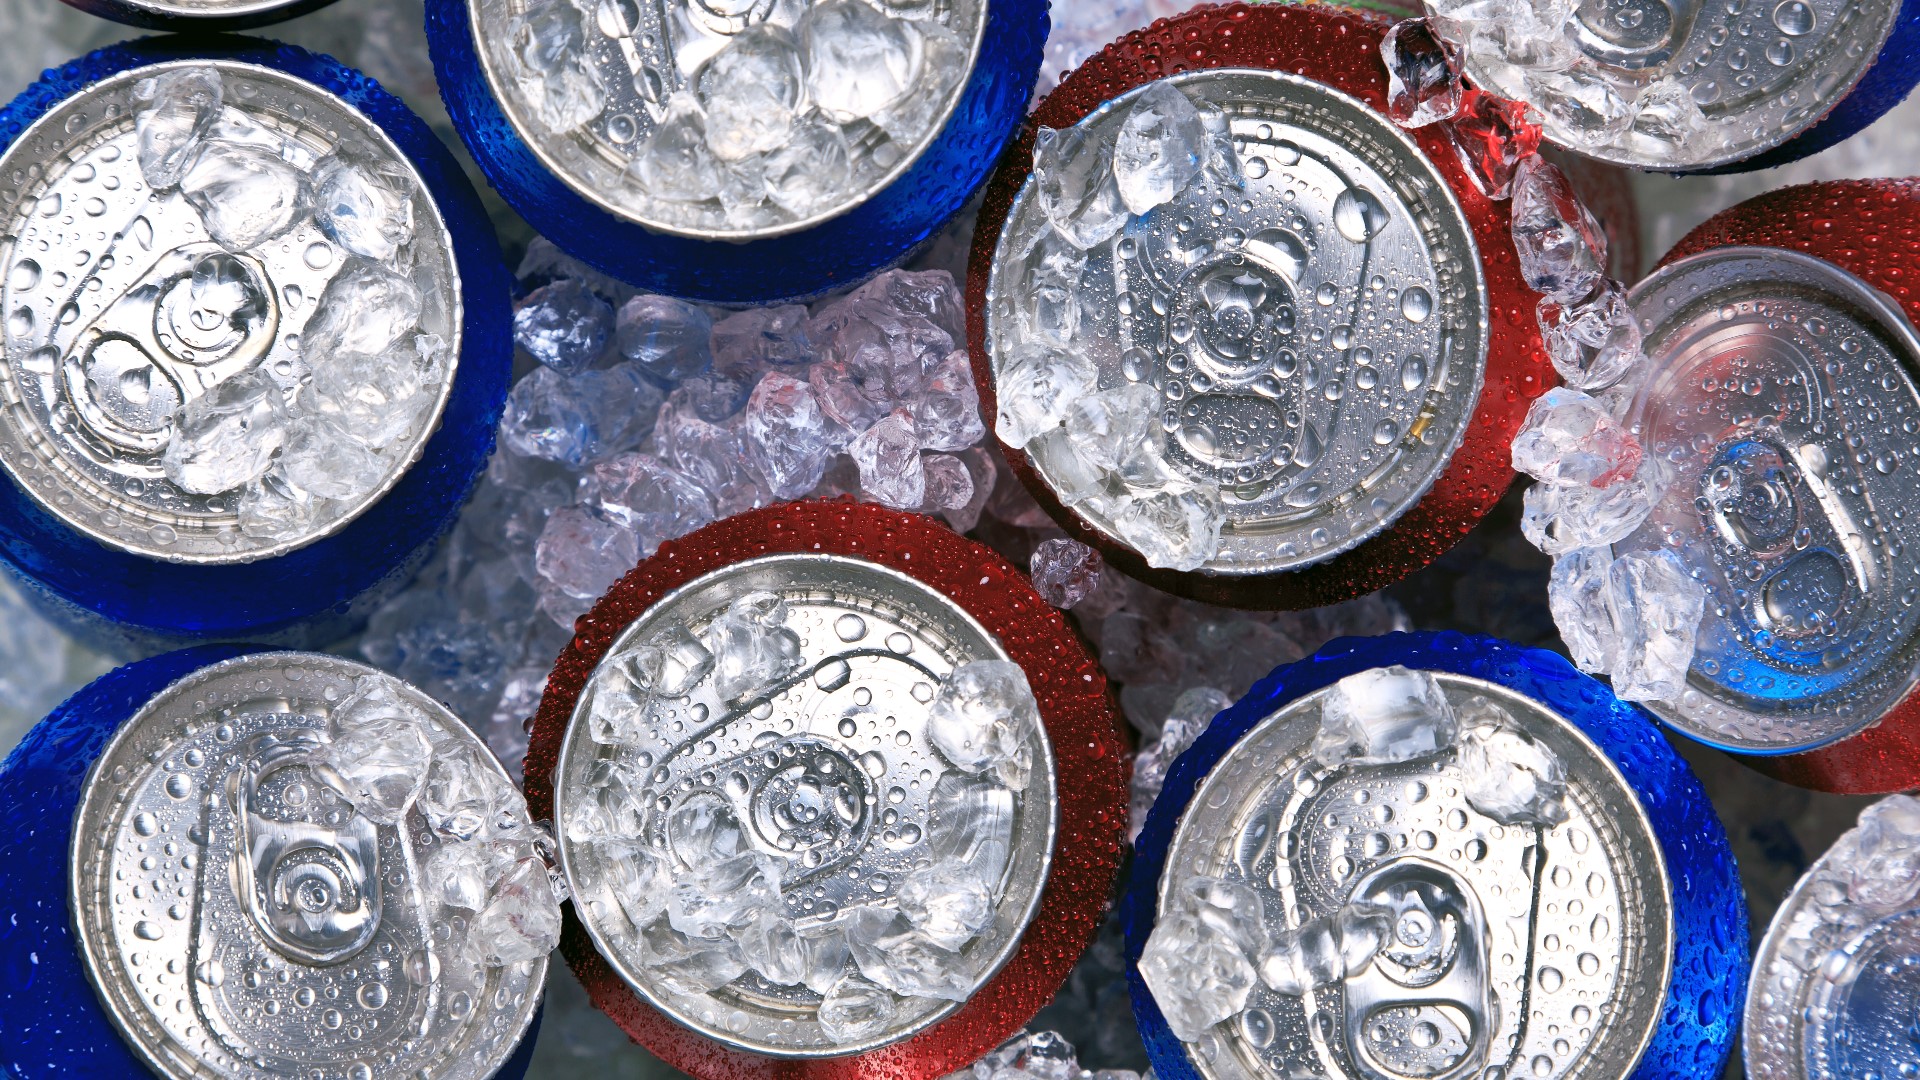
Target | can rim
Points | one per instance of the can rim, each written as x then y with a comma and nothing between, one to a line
233,13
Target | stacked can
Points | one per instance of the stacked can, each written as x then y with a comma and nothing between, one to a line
267,864
838,793
743,151
1241,332
1434,855
188,16
256,340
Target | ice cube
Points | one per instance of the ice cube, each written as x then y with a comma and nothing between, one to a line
378,745
246,195
949,902
943,53
1570,438
563,325
638,879
1577,598
363,202
788,437
813,956
1159,147
1492,136
1035,391
981,467
583,554
1594,342
464,797
379,399
971,823
457,874
270,508
1562,249
171,112
1657,606
752,646
891,953
547,43
1668,123
1052,310
1558,518
710,900
811,168
1880,857
521,921
579,419
1197,974
1065,571
949,483
1587,110
228,435
1192,711
668,338
1176,527
858,60
1509,775
706,832
365,309
855,1009
750,90
712,455
640,494
1075,186
324,457
947,414
1383,716
676,164
888,454
689,965
1423,74
1324,950
981,719
764,337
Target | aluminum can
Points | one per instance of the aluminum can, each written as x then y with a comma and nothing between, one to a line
188,16
191,894
1540,888
1783,390
1834,982
141,341
575,110
835,780
1338,345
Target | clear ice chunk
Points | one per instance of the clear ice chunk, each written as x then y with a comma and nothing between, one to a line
1594,342
1880,857
1324,950
582,553
1562,249
858,60
855,1009
1159,148
668,338
890,952
656,503
750,90
1668,122
171,112
689,965
676,164
378,745
810,169
763,337
707,833
788,436
713,455
1657,606
364,203
813,956
1492,136
563,325
1176,527
972,823
949,902
365,309
981,719
888,454
1197,960
1383,716
1036,390
752,646
1508,775
378,399
1192,711
949,483
270,508
638,879
1423,74
1074,183
1558,518
548,46
1571,438
227,436
947,414
246,195
521,921
580,419
710,900
324,457
1577,599
464,797
1065,571
1588,111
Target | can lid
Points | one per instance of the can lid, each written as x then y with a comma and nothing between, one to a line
1287,344
1681,86
1834,988
232,311
1781,391
808,805
290,864
201,14
728,119
1414,873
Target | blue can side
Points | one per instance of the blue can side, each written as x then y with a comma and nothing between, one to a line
1702,1013
318,584
122,12
837,254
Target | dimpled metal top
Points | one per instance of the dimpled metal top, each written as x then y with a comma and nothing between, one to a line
1318,339
1556,944
105,338
848,728
212,784
1782,391
640,53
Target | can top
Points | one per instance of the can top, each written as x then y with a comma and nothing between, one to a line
1293,337
1433,876
808,806
263,874
728,119
1834,988
1750,77
1781,393
232,312
223,13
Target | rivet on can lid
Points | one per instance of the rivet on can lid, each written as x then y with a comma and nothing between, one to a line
1781,393
218,263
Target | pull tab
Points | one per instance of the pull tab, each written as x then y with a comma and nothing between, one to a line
1423,1009
1634,34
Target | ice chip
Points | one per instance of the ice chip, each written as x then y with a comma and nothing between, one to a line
1562,249
972,823
1588,112
377,399
713,456
858,60
580,419
1198,976
671,665
638,879
547,45
1383,716
855,1009
949,902
270,508
763,337
246,195
814,956
1577,598
582,553
521,921
888,454
1657,606
949,483
1159,148
171,112
1065,571
752,646
1667,121
1570,438
1324,950
1192,711
981,719
750,90
1882,863
378,745
1594,342
365,309
1492,136
1423,74
1035,391
1075,186
788,437
711,899
1509,775
689,965
811,168
463,797
563,325
1176,527
364,203
324,457
947,414
676,163
891,953
668,338
1557,518
227,436
457,874
655,502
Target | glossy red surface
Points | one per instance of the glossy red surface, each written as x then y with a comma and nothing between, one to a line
1340,48
1074,705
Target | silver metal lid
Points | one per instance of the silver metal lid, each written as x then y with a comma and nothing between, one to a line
831,780
809,110
1761,72
122,309
1520,949
1317,339
1781,389
1835,985
247,12
240,918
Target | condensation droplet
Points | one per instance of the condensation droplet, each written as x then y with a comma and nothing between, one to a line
850,627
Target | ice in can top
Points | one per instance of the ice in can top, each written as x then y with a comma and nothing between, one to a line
728,119
1237,321
232,314
1680,84
1836,985
292,865
1781,396
1412,874
807,805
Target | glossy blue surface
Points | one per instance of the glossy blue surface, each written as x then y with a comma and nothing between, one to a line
836,254
307,595
1701,1017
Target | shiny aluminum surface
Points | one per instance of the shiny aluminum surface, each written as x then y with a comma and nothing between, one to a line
1782,391
1561,937
202,979
207,9
643,51
1318,340
863,729
103,341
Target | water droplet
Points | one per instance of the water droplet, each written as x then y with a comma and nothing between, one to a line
1550,979
1255,168
1476,849
1385,432
26,275
20,323
319,255
875,765
848,728
832,675
922,692
95,206
1326,294
373,995
1794,17
179,785
210,972
142,232
1780,53
1359,214
850,627
145,824
899,643
147,931
1416,304
1257,1025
